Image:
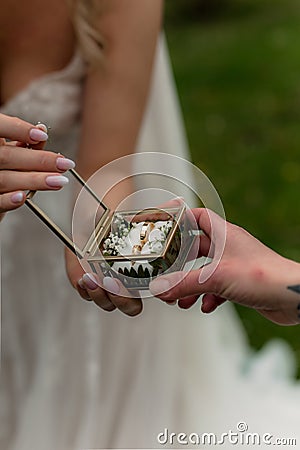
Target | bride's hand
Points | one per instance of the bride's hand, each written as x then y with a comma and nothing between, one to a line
108,293
26,169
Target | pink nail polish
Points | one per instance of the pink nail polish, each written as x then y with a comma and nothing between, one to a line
38,135
56,180
64,164
90,281
81,283
111,285
17,197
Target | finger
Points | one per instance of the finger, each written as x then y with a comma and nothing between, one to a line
188,302
215,228
210,302
208,221
83,291
12,181
41,144
120,297
11,201
161,211
18,130
181,284
94,290
16,158
75,273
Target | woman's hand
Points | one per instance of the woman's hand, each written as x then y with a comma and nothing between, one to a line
23,169
108,293
247,272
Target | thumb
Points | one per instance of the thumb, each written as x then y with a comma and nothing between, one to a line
182,284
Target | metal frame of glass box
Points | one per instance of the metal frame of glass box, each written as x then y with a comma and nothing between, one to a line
173,256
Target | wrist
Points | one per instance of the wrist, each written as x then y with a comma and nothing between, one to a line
284,288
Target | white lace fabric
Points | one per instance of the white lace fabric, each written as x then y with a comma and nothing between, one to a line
53,99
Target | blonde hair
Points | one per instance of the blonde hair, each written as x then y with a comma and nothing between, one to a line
84,15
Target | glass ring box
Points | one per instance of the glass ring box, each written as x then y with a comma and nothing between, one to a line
134,246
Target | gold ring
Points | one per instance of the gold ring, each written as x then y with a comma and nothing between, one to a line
136,249
146,229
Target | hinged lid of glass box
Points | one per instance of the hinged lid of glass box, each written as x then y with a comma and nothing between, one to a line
93,211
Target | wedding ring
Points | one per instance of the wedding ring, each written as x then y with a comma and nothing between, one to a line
146,229
136,249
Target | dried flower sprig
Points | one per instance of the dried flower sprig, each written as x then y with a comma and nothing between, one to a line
115,241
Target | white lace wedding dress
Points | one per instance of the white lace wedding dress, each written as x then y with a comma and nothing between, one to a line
75,377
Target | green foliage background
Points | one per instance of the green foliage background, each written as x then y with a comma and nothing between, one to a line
237,67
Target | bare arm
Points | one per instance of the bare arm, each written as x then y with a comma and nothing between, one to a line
116,92
114,101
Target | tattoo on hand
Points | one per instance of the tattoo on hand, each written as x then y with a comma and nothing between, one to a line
296,289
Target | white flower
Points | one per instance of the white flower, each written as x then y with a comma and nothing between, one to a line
156,235
156,247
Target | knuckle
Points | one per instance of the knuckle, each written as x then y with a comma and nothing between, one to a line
179,288
184,287
134,311
2,209
128,306
46,160
104,303
3,181
108,308
5,155
235,230
18,123
43,161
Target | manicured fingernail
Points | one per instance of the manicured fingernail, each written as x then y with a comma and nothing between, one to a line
111,285
64,164
171,303
81,283
90,281
38,135
159,286
17,197
57,181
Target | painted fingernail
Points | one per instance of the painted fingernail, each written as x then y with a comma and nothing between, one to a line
64,164
111,285
81,283
159,287
56,180
17,197
90,281
38,135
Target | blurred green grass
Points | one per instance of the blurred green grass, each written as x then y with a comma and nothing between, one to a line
238,75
